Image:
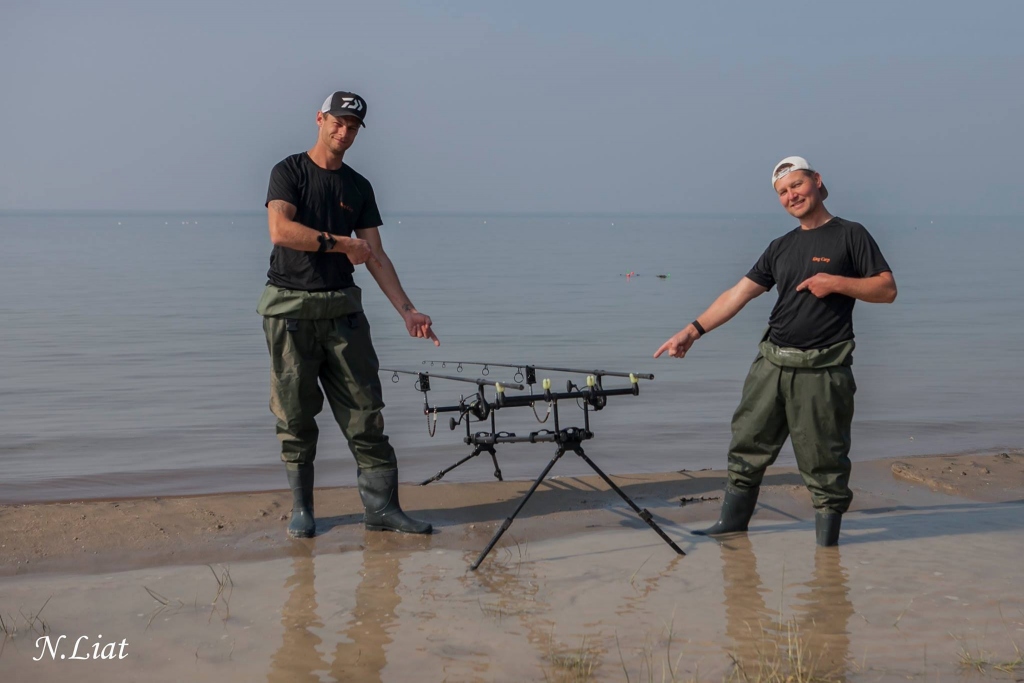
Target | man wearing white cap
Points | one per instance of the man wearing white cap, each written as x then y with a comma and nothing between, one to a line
800,385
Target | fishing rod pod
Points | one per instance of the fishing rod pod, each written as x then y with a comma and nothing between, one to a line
592,396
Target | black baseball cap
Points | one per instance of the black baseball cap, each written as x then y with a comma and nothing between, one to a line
344,103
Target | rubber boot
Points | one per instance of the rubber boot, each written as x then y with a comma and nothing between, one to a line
737,509
379,491
826,527
301,482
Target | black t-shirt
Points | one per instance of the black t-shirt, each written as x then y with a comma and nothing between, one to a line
800,319
337,202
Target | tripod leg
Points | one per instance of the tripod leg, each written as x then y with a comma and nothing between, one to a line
508,522
439,475
497,470
644,514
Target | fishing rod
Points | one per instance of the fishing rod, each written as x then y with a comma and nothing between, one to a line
592,396
528,372
530,375
423,379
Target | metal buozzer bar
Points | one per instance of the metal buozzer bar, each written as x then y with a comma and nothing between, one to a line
478,407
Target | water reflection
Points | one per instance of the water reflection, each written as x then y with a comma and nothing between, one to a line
823,618
814,640
359,652
514,585
299,622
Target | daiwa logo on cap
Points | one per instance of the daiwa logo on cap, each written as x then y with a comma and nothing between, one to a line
351,103
345,104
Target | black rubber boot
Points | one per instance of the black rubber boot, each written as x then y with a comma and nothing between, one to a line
826,527
301,482
737,508
379,491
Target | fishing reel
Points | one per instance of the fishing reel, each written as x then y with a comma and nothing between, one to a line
594,398
478,408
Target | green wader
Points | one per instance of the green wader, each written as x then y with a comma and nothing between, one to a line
805,395
322,339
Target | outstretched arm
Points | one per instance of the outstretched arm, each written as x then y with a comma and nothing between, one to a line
878,289
418,324
727,305
285,232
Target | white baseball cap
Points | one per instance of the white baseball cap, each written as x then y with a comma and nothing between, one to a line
790,164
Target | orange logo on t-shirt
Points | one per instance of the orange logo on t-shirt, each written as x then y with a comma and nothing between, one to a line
821,259
344,206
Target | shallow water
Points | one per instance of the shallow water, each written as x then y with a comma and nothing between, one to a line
905,594
132,361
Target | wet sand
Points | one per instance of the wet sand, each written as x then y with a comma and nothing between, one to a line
989,477
924,582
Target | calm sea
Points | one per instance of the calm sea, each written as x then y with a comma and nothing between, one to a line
132,360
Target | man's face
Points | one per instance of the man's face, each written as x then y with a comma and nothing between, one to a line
799,192
337,133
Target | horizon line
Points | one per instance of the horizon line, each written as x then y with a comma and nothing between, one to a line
487,214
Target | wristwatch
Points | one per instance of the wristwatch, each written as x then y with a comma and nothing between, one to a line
327,242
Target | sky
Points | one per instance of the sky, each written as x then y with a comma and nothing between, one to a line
516,107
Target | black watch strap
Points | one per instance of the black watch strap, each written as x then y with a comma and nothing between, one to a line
327,242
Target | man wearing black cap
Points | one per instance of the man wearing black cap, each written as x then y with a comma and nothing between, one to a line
313,317
800,386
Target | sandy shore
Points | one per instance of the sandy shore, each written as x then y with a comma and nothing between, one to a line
924,582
